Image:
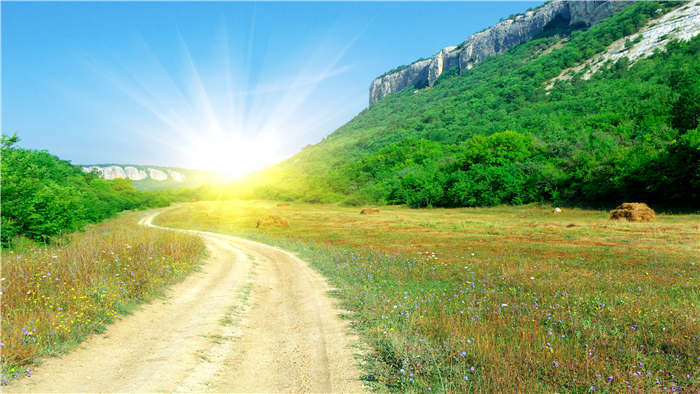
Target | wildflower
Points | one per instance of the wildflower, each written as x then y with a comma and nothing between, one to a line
556,363
466,378
592,388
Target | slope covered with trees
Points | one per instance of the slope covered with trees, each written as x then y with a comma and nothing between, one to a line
43,196
496,135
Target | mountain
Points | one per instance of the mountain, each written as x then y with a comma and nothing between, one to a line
492,41
591,109
155,177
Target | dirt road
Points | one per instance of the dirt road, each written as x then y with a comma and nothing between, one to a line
254,319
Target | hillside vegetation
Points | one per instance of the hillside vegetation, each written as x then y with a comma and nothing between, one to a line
43,196
494,135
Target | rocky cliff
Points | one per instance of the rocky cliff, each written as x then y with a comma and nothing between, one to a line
682,23
490,42
135,174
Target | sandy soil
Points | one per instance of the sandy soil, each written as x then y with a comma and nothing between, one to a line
254,319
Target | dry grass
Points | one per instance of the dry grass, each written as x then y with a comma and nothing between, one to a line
633,212
529,301
272,221
53,297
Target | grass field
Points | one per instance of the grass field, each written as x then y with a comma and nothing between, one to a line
498,298
53,297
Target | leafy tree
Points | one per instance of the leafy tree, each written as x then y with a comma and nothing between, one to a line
43,196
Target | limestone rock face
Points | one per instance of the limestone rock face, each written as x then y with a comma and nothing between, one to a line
135,174
176,176
492,41
682,23
157,175
412,75
109,172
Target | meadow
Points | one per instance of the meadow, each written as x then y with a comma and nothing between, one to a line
54,296
483,299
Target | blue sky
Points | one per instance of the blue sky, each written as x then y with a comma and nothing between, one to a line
233,86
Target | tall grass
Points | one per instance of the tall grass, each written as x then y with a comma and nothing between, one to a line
505,298
55,296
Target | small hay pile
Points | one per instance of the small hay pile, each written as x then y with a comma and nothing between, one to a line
272,221
283,204
369,211
633,212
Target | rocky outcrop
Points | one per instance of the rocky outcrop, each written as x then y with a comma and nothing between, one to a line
135,174
490,42
683,23
157,175
176,176
109,172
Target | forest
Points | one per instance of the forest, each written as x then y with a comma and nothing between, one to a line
496,135
44,197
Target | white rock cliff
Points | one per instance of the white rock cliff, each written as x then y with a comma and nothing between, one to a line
492,41
135,174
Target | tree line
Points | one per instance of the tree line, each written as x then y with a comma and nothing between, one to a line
43,196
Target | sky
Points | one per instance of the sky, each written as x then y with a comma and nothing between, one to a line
228,86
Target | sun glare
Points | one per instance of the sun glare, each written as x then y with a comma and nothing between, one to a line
212,115
235,155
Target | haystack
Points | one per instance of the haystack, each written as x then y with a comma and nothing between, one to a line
283,204
272,221
633,212
369,211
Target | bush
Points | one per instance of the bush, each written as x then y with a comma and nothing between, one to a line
43,196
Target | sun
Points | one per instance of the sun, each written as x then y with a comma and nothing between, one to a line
234,155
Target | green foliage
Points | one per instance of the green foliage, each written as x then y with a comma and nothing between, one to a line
43,196
626,133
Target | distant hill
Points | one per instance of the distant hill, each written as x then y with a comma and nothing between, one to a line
594,109
156,177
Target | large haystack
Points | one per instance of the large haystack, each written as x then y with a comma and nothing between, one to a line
633,212
369,211
272,221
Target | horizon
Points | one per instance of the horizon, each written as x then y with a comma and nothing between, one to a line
229,87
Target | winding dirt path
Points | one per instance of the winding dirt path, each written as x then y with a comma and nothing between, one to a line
254,319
